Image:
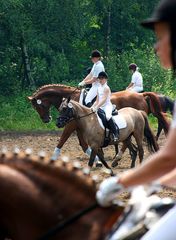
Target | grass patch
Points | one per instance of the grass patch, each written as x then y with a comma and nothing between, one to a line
17,114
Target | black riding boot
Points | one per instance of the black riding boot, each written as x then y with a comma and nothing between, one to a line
89,104
114,128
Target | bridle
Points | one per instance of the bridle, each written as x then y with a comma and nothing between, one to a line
60,226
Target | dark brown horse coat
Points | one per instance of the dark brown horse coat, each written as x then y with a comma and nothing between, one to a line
35,196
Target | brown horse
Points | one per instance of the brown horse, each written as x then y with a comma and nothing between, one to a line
41,201
51,95
136,126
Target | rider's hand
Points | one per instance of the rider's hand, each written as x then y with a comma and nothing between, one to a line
108,190
94,109
81,84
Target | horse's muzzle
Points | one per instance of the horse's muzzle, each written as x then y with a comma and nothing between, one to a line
47,119
61,121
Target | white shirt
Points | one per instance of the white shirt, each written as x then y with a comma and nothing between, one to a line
137,79
96,69
100,91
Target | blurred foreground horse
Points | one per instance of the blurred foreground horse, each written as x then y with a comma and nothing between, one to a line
41,201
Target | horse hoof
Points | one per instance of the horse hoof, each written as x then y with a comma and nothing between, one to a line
115,163
112,174
99,164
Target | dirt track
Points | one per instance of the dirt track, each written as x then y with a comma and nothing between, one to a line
47,141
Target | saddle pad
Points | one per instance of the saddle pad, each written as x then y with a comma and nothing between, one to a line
119,120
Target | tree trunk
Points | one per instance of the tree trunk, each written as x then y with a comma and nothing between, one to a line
27,77
108,31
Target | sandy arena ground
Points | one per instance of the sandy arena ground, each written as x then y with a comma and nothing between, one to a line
48,140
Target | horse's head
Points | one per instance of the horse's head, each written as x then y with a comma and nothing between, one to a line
66,113
42,106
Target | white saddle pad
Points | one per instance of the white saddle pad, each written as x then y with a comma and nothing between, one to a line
119,120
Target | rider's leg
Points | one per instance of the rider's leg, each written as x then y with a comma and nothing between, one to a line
164,229
111,123
92,93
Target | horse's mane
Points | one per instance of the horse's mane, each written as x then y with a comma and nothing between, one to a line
24,162
44,87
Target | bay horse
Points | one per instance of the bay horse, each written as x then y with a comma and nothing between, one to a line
167,105
51,95
136,126
42,201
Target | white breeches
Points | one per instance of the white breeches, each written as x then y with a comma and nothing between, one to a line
108,111
136,89
164,229
92,93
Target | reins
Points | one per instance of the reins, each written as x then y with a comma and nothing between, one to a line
77,118
53,231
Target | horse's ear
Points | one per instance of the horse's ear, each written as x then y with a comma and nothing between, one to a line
30,98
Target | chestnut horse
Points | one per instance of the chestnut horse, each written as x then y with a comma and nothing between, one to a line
167,105
136,126
41,201
51,95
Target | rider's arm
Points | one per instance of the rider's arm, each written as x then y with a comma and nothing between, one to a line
96,101
88,77
159,164
169,179
130,85
106,93
90,80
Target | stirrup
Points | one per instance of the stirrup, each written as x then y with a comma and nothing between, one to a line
115,138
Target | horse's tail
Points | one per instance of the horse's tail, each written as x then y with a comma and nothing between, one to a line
151,141
155,108
169,104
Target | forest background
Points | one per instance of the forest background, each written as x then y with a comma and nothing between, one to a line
50,41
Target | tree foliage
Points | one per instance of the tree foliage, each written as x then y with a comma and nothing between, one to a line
49,41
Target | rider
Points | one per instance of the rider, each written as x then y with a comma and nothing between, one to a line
103,101
136,84
160,165
91,78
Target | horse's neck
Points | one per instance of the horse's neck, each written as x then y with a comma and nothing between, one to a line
57,93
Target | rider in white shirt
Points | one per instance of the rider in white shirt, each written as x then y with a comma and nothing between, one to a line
92,77
136,84
103,101
161,166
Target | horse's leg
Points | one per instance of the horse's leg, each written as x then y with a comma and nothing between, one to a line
133,152
159,130
140,147
118,156
68,130
101,157
92,157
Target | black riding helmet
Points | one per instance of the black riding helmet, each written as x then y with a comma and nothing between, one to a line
95,53
165,11
103,75
132,66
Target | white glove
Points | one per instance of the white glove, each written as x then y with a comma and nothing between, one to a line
81,84
94,109
108,190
